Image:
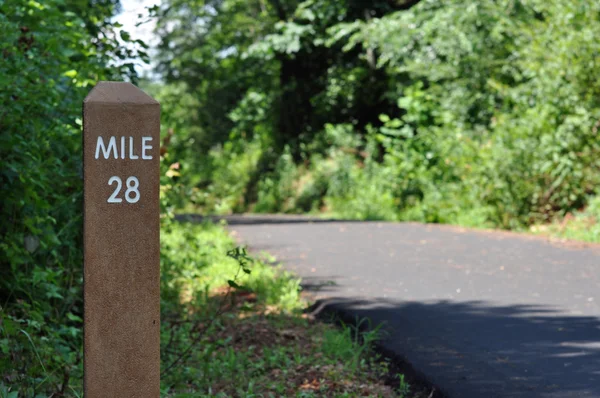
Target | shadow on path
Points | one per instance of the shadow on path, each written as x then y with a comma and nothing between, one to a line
505,351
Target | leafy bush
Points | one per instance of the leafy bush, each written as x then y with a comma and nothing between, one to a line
51,54
276,190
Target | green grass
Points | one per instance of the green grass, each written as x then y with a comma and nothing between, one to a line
194,259
583,225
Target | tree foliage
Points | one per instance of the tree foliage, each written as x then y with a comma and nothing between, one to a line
481,113
51,54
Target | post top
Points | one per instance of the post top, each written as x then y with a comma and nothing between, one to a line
118,93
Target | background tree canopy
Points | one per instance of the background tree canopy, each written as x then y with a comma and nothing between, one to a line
478,113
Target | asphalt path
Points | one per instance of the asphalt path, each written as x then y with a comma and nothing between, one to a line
481,314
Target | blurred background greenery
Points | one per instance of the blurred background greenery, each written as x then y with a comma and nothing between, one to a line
466,112
478,113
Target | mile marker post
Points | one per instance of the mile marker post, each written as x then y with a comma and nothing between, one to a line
121,133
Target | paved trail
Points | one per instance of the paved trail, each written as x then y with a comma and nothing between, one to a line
481,314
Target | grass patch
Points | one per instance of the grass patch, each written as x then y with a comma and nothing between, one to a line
582,225
244,334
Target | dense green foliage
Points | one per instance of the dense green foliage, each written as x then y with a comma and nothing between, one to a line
477,113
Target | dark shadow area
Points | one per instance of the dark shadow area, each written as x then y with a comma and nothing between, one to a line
476,349
320,285
243,219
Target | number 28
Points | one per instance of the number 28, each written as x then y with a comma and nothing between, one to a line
132,194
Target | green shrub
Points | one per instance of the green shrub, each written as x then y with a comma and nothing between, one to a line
52,53
277,190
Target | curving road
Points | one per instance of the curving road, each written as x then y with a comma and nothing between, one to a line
481,314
